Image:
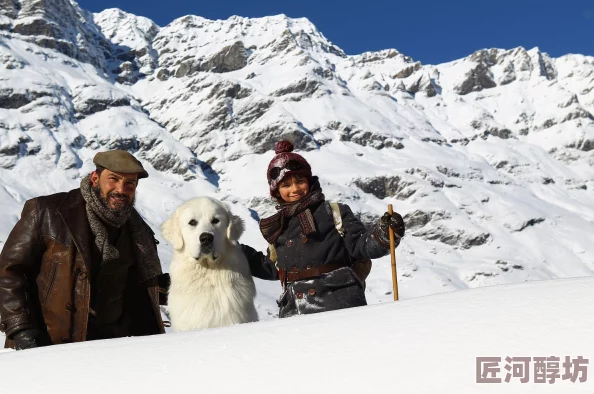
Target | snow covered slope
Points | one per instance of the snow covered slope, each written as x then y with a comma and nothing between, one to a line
489,158
425,345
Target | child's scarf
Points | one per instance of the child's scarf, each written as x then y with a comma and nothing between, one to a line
272,227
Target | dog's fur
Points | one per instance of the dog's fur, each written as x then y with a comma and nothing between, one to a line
211,286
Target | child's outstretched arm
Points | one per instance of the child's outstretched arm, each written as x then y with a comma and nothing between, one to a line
260,265
363,244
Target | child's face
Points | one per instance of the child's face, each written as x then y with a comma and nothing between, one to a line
293,188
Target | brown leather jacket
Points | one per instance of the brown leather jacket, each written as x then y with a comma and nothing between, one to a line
44,274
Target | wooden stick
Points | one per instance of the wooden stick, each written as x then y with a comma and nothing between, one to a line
393,255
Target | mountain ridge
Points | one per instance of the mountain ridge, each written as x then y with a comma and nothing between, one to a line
489,158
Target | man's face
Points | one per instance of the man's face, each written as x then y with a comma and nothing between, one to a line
117,189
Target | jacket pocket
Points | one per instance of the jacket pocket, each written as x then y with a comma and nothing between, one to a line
342,277
50,283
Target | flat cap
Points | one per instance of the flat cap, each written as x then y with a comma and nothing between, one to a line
120,161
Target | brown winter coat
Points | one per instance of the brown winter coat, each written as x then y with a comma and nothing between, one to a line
45,270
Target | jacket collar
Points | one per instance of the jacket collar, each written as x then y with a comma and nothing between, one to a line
73,212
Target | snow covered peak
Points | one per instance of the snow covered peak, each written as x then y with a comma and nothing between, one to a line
56,24
126,29
199,38
385,54
131,37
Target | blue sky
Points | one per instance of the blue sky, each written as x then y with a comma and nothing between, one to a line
432,31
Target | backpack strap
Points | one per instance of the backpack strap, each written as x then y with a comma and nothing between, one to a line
273,256
282,274
361,268
337,218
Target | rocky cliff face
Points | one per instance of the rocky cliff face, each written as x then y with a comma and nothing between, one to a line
55,24
489,158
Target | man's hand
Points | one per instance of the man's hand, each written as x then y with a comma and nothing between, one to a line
27,339
395,222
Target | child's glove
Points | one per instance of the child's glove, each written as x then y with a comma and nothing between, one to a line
393,221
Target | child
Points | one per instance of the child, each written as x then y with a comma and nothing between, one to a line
307,253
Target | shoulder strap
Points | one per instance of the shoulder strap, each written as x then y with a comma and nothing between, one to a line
273,257
272,251
337,218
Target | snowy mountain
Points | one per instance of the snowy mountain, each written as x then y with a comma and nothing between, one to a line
424,345
489,158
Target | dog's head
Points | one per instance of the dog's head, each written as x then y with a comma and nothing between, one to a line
202,229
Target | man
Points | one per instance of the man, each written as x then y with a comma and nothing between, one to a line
82,265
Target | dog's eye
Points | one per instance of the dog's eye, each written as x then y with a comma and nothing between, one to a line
215,221
192,222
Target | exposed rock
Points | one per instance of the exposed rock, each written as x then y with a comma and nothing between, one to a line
128,74
408,71
9,153
265,139
509,74
379,56
163,74
263,206
505,266
472,173
573,99
37,27
424,84
369,220
59,25
9,61
306,87
253,111
284,42
524,225
383,186
457,237
367,138
231,58
131,40
426,175
92,105
546,67
475,80
504,134
165,160
10,150
9,8
188,67
488,57
583,144
578,113
480,274
419,219
9,99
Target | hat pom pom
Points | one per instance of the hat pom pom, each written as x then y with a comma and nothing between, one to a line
283,146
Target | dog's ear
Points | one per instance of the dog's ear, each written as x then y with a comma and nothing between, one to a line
235,228
171,232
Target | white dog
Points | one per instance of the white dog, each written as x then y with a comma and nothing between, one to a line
211,282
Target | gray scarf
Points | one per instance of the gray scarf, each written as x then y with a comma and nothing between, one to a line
100,214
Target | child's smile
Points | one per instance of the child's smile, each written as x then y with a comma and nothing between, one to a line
293,188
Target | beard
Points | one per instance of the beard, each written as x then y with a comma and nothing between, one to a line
122,208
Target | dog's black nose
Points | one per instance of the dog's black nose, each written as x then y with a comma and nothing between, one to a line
206,239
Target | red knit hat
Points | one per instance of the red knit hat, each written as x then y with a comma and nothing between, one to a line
285,163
